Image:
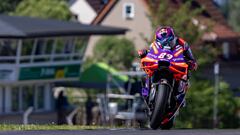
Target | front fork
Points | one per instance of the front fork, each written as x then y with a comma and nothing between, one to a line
149,91
149,88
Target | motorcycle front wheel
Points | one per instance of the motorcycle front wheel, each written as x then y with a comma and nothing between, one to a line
161,100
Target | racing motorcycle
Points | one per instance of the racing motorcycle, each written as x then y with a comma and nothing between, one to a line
167,72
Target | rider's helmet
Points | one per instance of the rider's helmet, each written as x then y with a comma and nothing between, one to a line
164,36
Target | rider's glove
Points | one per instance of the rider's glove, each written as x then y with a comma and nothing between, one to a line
142,53
192,65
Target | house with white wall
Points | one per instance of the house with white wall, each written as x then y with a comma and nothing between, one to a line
77,6
130,14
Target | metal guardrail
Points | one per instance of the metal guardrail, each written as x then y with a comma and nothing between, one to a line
26,115
131,73
120,96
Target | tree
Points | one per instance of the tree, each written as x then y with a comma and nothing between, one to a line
51,9
119,52
199,110
180,19
8,5
234,14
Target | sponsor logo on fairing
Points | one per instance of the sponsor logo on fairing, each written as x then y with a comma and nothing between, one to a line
178,59
152,55
178,47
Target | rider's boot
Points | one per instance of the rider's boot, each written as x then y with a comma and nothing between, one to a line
145,92
145,87
182,88
181,99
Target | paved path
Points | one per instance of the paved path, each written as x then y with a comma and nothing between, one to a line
124,132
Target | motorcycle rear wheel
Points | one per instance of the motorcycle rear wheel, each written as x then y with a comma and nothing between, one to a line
161,100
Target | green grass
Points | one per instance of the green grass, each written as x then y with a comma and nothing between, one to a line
48,127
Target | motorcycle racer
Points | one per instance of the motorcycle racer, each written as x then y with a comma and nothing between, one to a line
166,39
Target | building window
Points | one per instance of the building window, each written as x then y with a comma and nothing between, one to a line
68,47
44,46
23,97
80,47
15,99
60,48
39,95
27,97
27,47
128,11
8,47
225,50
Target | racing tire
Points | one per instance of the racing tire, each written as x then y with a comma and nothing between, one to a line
161,100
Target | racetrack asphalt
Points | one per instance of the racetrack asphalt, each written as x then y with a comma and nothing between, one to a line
123,132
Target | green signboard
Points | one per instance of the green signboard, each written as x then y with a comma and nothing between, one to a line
49,72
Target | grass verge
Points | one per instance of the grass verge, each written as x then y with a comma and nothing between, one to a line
48,127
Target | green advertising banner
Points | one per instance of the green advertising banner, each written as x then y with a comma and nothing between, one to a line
49,72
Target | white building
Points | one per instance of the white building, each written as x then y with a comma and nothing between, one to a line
131,14
78,6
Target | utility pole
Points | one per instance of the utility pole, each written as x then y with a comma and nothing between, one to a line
216,90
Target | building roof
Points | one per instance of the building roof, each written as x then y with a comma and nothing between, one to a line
97,5
27,27
224,32
220,28
102,13
212,10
